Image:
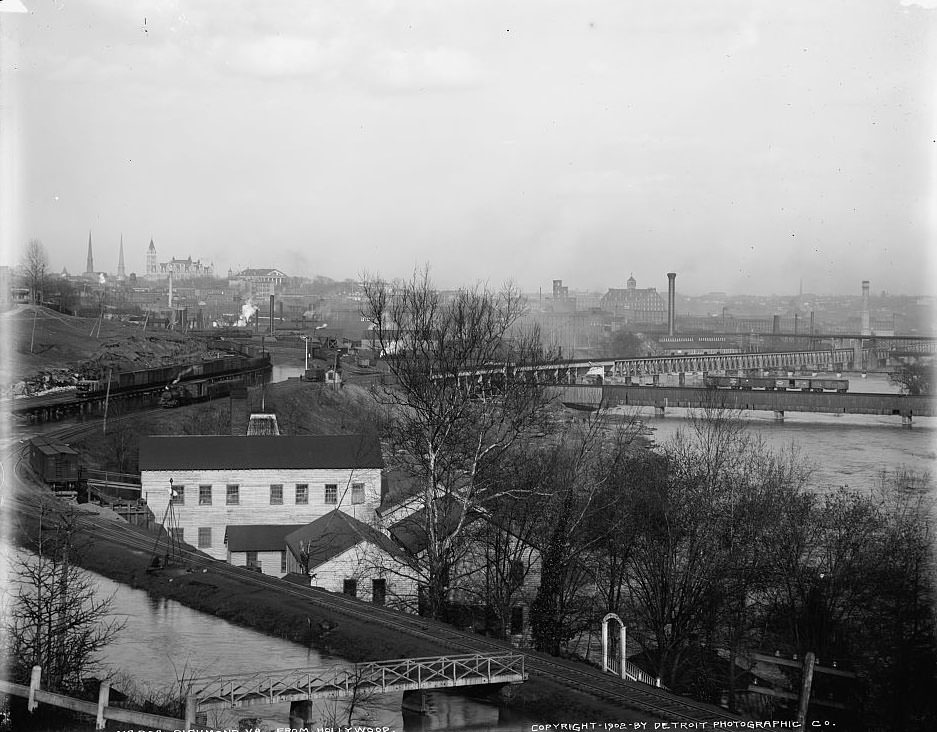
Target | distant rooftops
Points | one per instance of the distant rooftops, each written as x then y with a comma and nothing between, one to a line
246,452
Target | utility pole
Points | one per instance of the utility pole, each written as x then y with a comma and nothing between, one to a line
107,397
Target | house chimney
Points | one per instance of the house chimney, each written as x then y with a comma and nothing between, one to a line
671,301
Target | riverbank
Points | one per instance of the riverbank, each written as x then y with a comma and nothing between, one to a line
284,616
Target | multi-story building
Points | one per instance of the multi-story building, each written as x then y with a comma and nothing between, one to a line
635,305
258,282
200,486
179,269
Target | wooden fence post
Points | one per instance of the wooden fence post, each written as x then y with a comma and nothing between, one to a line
809,660
190,710
34,680
104,695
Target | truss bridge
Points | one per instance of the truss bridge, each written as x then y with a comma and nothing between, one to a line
400,675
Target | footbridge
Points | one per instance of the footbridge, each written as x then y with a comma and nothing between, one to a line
778,402
363,679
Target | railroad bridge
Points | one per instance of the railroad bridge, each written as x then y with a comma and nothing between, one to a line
68,403
572,372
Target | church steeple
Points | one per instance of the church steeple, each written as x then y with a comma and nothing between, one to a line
120,261
90,268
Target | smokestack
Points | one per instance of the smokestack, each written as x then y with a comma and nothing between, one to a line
271,315
776,324
813,328
796,321
671,301
866,320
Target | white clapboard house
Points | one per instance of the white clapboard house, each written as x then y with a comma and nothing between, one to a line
219,482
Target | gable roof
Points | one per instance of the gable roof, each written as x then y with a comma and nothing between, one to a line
410,532
330,535
243,452
258,537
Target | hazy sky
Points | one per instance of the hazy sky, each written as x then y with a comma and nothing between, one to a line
744,145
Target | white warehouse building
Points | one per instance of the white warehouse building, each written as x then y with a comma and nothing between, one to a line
220,481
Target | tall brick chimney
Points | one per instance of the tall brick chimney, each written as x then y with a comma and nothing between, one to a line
671,301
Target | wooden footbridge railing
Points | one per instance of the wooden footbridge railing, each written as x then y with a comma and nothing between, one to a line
405,674
272,687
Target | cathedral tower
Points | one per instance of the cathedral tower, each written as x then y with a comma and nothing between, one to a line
90,268
121,274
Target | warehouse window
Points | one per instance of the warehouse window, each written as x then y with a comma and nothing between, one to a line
179,535
204,495
357,492
233,495
302,494
178,495
331,493
276,494
204,537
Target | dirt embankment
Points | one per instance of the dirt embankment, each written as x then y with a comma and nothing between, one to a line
282,615
50,350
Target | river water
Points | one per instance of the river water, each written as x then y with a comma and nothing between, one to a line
844,449
163,641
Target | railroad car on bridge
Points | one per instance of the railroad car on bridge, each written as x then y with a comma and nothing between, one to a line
777,383
128,381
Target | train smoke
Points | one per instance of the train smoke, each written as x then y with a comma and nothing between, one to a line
247,312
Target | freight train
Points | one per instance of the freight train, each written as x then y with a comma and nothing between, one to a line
129,381
777,383
188,392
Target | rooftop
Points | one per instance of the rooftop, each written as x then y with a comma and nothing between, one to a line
330,535
258,537
247,452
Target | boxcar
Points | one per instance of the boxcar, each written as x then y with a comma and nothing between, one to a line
55,463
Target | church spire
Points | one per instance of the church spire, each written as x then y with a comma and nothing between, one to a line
120,261
90,268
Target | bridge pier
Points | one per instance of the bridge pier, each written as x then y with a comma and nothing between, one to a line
415,701
778,415
300,713
906,420
660,410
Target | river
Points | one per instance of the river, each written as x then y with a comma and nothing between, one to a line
843,449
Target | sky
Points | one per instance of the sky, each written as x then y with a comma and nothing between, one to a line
748,146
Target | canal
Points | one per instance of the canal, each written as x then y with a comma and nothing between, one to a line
164,642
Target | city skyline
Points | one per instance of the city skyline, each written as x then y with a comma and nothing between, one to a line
745,146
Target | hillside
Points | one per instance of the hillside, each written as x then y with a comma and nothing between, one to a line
44,347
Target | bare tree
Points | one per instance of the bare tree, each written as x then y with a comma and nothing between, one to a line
35,266
457,410
57,619
915,378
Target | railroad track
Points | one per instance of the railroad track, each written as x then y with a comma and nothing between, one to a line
612,690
